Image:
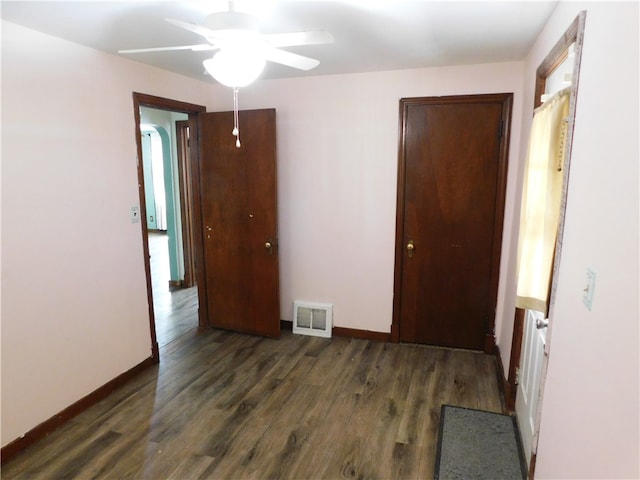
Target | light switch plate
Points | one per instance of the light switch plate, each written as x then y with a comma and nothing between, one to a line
135,214
589,286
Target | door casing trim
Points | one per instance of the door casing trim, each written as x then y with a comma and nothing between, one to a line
140,100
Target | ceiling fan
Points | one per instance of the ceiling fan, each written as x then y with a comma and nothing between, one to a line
241,48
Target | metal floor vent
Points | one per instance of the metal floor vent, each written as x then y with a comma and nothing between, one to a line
312,319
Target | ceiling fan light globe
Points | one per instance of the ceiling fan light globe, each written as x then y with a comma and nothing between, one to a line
235,67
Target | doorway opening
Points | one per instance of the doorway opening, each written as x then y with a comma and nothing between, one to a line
167,218
174,294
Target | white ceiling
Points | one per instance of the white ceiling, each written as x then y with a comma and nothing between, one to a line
370,35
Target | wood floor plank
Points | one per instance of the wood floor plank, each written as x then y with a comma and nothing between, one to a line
269,397
335,361
227,405
276,450
124,460
247,439
175,311
324,438
33,462
191,467
72,466
416,404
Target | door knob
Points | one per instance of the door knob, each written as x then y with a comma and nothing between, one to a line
269,246
410,248
541,323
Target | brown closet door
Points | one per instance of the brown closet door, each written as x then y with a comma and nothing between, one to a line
239,220
450,212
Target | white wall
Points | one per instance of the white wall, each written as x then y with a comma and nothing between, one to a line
75,312
591,406
74,301
337,167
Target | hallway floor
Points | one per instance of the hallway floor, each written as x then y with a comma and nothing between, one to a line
176,312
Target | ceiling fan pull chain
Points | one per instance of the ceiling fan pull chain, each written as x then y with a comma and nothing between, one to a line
236,127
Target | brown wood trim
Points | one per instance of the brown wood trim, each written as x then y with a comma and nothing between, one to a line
13,448
197,226
139,100
532,466
507,106
489,344
155,351
175,285
162,103
575,33
399,245
578,38
503,386
516,351
286,325
347,332
362,334
186,201
395,333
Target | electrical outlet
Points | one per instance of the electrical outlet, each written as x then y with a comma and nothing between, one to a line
135,214
589,286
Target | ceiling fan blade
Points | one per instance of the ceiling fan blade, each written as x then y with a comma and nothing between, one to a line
311,37
193,27
195,48
290,59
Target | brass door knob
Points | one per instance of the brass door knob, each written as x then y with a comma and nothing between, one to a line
269,246
410,248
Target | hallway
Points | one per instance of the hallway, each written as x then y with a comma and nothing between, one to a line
176,312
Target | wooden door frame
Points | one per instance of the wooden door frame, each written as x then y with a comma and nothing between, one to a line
574,34
192,110
506,99
183,134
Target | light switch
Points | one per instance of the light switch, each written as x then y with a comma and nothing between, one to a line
589,286
135,214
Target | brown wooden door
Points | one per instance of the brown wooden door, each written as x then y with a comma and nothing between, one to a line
452,174
239,222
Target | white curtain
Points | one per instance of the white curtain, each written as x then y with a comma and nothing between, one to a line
541,199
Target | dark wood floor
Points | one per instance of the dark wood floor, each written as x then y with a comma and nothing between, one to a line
176,312
230,406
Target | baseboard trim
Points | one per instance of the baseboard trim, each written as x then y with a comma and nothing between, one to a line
362,334
48,426
346,332
286,325
395,333
490,344
503,384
